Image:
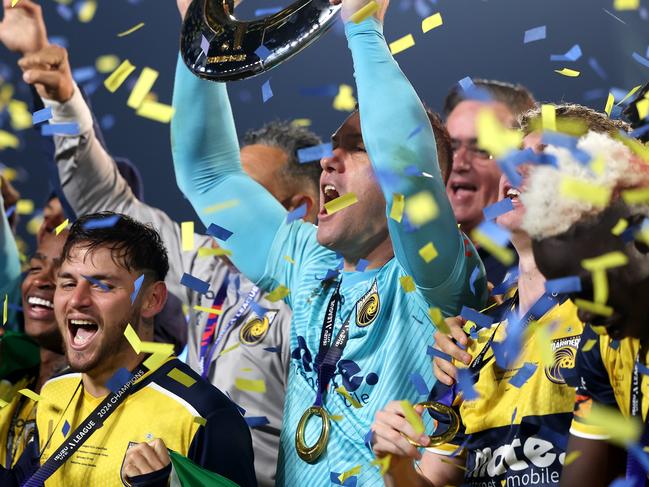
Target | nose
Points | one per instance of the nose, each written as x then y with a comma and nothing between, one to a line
461,160
334,163
45,278
80,297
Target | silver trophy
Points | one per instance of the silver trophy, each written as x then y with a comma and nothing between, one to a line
217,46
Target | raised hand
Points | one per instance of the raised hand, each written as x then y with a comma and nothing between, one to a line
22,28
350,7
445,371
49,71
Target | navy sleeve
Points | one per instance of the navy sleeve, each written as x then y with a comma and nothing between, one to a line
24,468
592,377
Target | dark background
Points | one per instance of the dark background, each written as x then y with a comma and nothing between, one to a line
479,38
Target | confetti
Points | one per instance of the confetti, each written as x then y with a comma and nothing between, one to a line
5,310
60,129
218,232
220,206
210,252
571,457
592,62
118,379
570,73
132,338
200,420
344,100
263,12
153,110
103,64
343,392
137,284
363,13
31,395
266,91
105,222
523,375
475,274
501,207
340,203
187,236
419,383
24,207
211,311
619,227
229,349
8,140
582,190
596,308
315,153
622,430
643,108
432,22
428,252
256,421
565,285
407,283
131,30
362,264
589,345
87,11
631,92
280,292
96,282
382,463
476,317
396,211
142,87
573,54
609,104
626,4
289,260
61,227
349,473
421,208
549,117
400,45
66,428
250,385
636,196
194,283
433,352
179,376
535,34
640,59
600,287
156,360
494,137
42,115
465,385
14,3
117,78
605,261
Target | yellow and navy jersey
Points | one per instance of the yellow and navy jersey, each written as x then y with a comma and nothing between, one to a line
159,407
17,419
605,370
517,435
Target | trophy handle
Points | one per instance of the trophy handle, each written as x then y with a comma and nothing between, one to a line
446,436
216,46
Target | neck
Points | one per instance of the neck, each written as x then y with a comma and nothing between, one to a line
468,227
94,381
377,257
51,362
531,283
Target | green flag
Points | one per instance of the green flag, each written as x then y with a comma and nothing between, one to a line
191,475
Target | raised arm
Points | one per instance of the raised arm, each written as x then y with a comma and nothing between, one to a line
9,259
386,96
208,171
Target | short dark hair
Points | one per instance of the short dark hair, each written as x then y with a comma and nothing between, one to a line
443,142
134,246
574,119
517,98
290,138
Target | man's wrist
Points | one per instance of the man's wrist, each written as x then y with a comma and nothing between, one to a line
74,110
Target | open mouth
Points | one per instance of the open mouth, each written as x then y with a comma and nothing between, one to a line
329,193
463,188
81,332
39,308
513,194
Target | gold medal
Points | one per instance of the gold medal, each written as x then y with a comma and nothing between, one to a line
446,436
310,454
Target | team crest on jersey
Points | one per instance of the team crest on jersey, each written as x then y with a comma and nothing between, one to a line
565,353
368,307
256,329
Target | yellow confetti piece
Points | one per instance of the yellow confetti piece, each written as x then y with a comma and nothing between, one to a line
280,292
106,63
34,224
142,87
3,403
5,310
400,45
289,260
301,122
131,30
250,385
609,104
336,417
432,22
605,261
24,207
200,420
571,457
570,73
155,361
153,110
421,208
398,204
211,311
229,349
622,430
14,3
600,287
133,339
31,395
494,137
428,252
599,330
9,173
412,417
344,101
246,369
117,78
636,196
449,462
581,190
357,17
343,392
407,283
544,339
549,117
626,4
62,227
349,473
187,236
503,254
629,94
87,11
8,140
157,348
340,203
21,118
619,227
589,345
598,165
438,320
643,108
596,308
382,463
220,206
179,376
209,252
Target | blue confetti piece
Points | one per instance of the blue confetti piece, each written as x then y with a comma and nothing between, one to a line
573,54
474,276
263,12
66,428
595,66
315,153
412,171
415,132
42,115
256,421
568,142
10,211
513,416
218,232
262,52
349,482
60,129
65,12
106,222
470,314
621,482
433,352
535,34
465,384
501,207
194,283
107,122
510,279
83,74
639,132
362,264
564,285
137,284
642,60
205,44
523,374
419,383
296,214
96,282
59,41
258,309
266,91
272,349
119,378
331,274
495,232
367,439
466,83
614,345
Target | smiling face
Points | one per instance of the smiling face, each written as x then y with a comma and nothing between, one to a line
361,227
38,292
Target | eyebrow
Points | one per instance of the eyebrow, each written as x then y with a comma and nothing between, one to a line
97,277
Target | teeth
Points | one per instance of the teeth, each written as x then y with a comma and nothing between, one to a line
513,193
329,188
82,322
41,302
